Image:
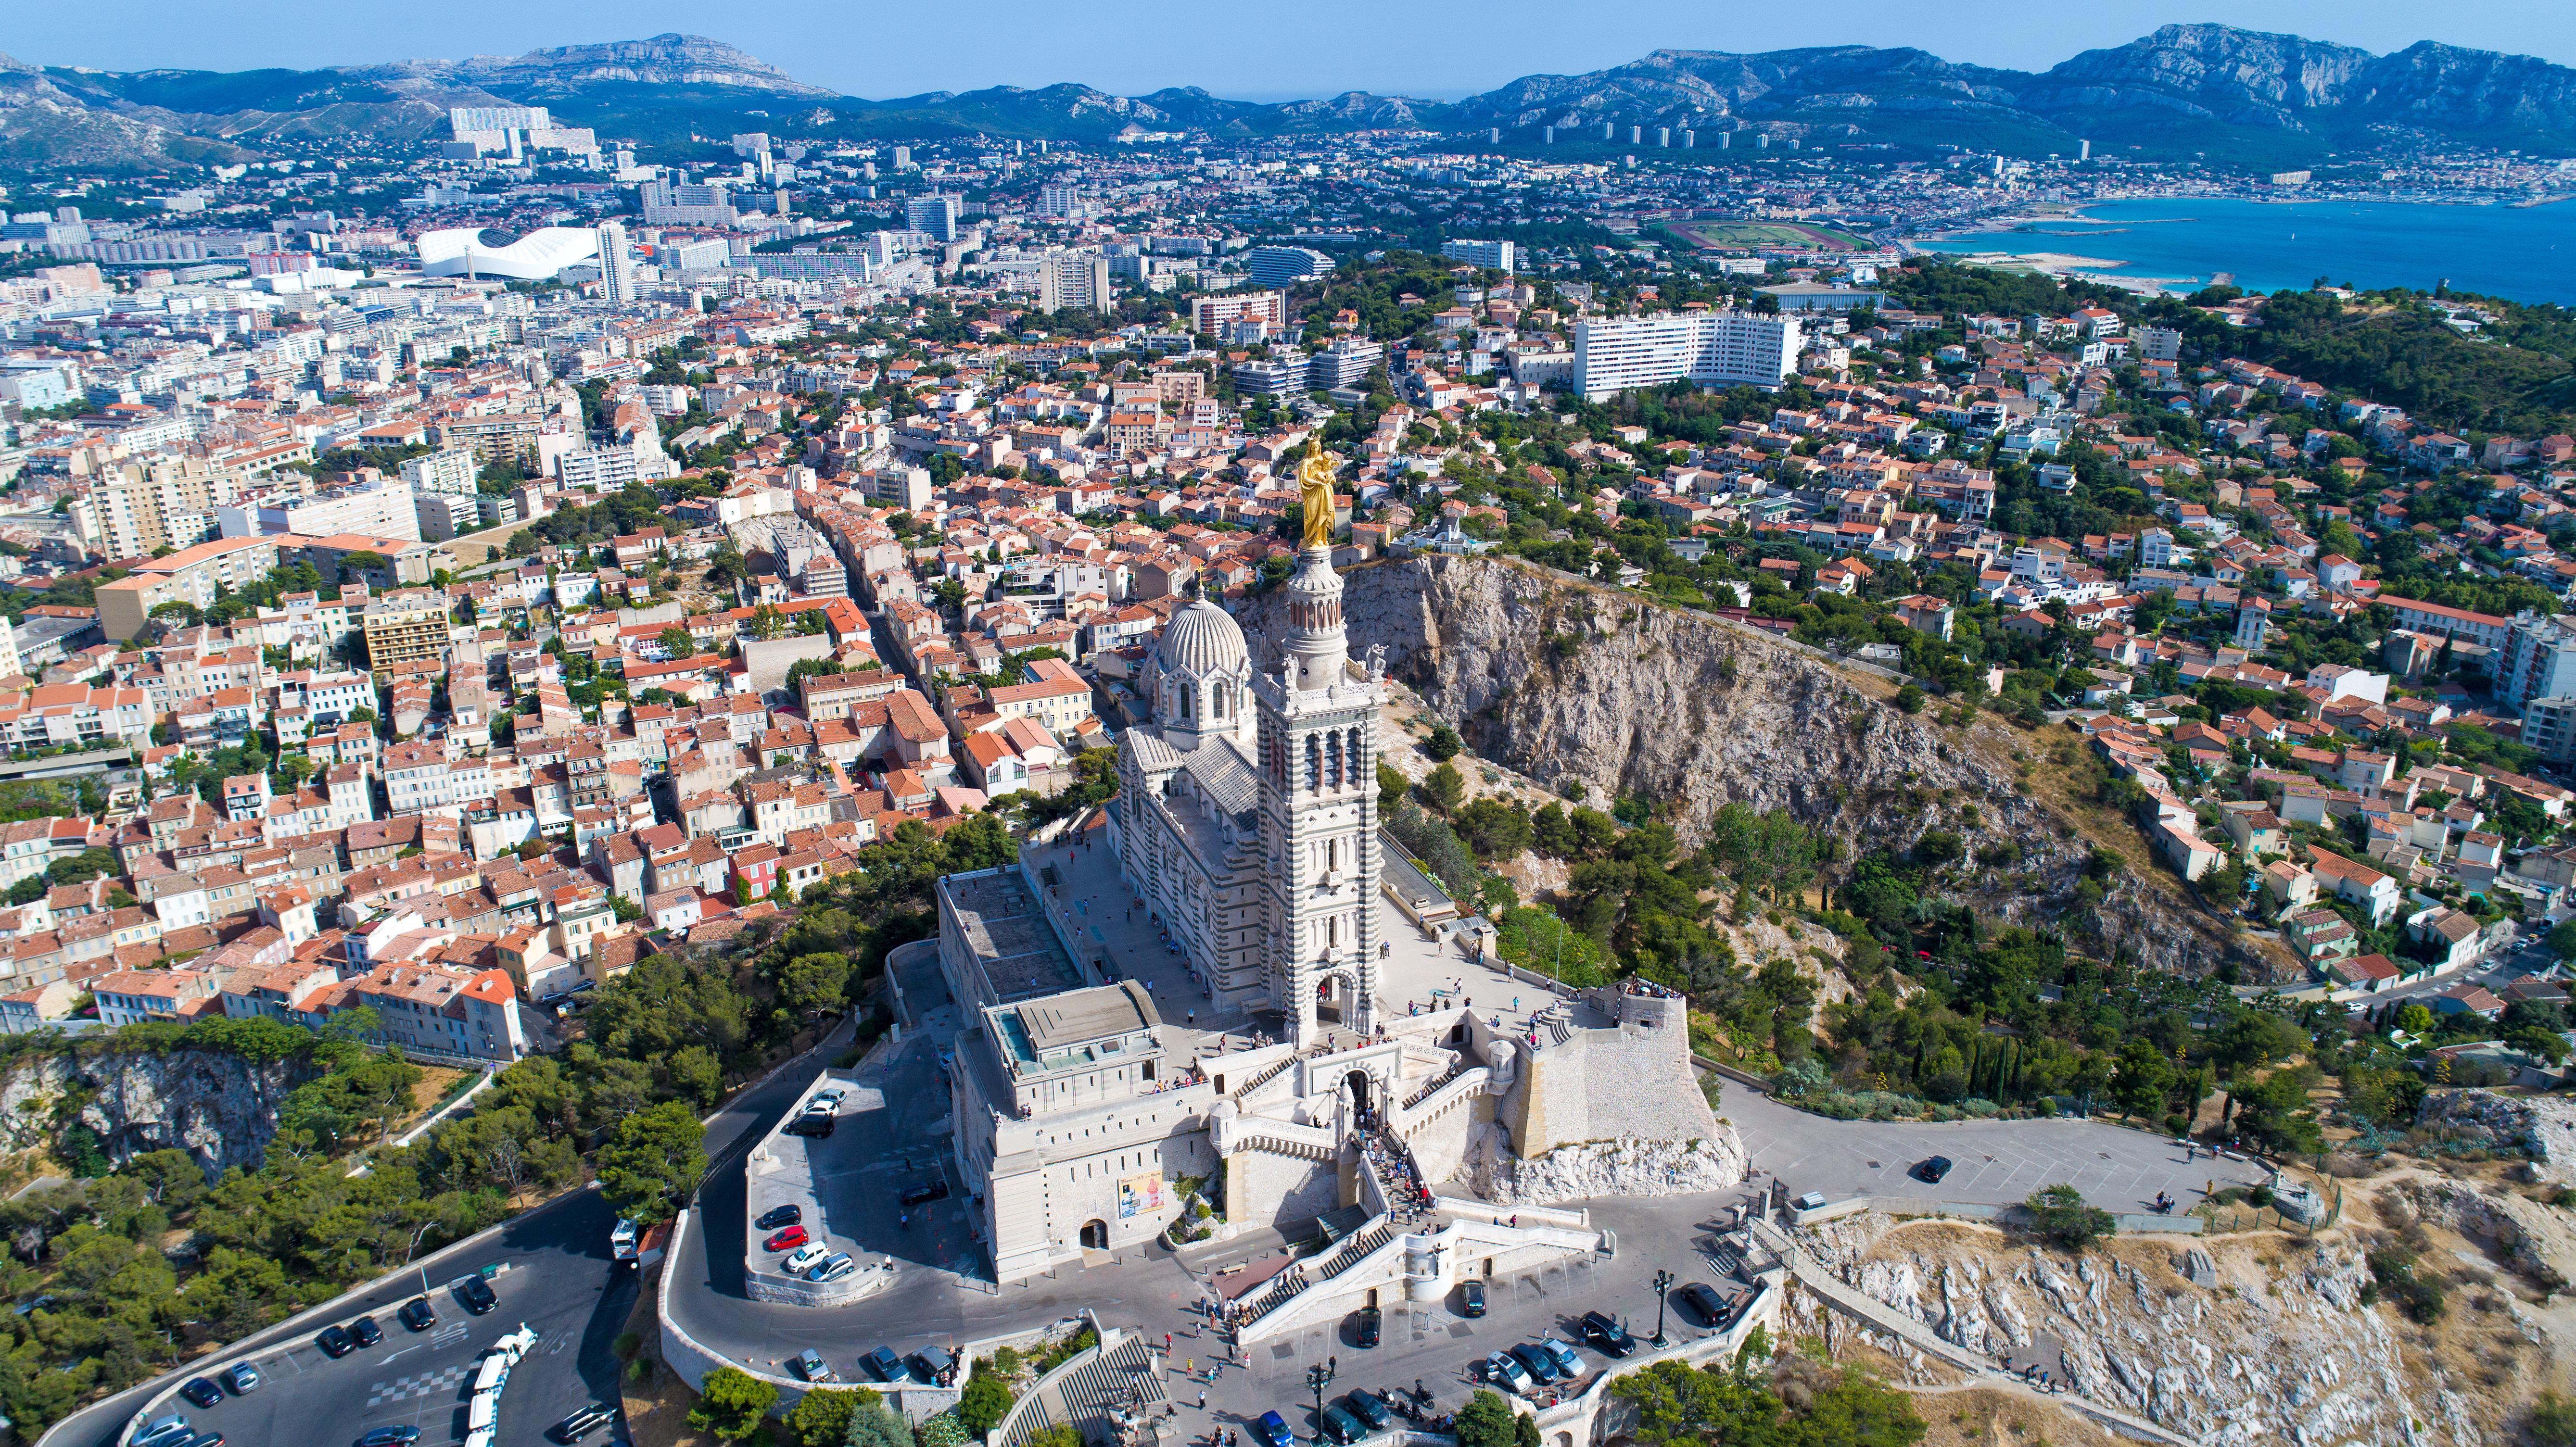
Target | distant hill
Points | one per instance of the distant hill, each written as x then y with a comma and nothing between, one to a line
2235,96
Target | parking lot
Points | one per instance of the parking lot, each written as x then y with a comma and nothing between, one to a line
1994,1162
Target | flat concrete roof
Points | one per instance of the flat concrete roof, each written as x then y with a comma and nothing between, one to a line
1078,1017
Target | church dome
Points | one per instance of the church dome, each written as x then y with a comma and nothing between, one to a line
1202,639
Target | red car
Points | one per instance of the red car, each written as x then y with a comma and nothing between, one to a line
787,1240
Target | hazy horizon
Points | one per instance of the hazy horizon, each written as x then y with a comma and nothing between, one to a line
1439,51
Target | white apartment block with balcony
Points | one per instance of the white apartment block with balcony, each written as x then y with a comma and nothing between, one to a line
1707,349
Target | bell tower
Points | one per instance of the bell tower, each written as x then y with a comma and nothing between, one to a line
1318,743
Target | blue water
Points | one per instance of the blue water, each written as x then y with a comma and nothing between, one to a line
2526,253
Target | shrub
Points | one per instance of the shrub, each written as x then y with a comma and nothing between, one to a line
1910,699
732,1403
2060,1216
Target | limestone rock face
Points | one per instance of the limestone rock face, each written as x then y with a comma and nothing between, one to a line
2278,1349
1623,1167
218,1107
1597,693
2543,1126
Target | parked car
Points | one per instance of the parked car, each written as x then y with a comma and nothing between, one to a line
804,1258
886,1365
777,1216
365,1332
622,1242
832,1267
241,1378
786,1240
206,1439
1372,1321
1341,1426
1369,1407
1271,1430
1541,1363
418,1314
1506,1371
164,1430
587,1418
1705,1304
1567,1362
811,1125
1471,1298
926,1192
811,1366
1931,1169
477,1295
395,1436
1606,1335
201,1393
334,1342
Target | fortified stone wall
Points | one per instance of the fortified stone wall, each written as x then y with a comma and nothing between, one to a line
1628,1081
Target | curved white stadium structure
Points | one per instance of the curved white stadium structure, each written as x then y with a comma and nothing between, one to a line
459,251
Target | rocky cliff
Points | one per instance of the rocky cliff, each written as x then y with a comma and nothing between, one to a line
1599,693
218,1107
2276,1344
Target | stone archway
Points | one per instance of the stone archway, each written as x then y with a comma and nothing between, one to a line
1095,1235
1362,1087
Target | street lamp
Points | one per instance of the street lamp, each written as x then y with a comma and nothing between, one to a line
1318,1377
1663,1283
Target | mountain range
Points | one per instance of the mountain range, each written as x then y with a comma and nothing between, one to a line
2235,96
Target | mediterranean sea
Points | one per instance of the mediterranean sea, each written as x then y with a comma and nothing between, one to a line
2524,253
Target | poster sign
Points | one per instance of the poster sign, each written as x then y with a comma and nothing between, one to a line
1140,1196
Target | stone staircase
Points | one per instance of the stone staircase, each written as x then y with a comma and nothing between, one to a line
1355,1250
1258,1140
1456,1069
1265,1075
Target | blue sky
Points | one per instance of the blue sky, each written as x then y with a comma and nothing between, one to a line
1318,47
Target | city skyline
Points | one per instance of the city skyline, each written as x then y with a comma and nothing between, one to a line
1429,52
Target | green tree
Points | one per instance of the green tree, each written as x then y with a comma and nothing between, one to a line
1486,1421
651,1160
821,1418
815,982
984,1402
1910,699
1446,788
2562,940
2060,1216
1391,784
732,1403
675,641
874,1424
1443,743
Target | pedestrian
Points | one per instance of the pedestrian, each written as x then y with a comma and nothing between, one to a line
1190,1367
1202,1399
1167,1343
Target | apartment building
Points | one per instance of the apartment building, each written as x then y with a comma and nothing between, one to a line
379,511
1074,279
142,508
1212,314
404,627
190,575
1708,349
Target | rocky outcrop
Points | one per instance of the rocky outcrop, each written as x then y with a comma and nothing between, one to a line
1623,1167
2281,1350
2537,1240
219,1107
1600,693
2540,1126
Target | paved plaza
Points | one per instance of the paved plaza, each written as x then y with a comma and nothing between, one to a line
1994,1162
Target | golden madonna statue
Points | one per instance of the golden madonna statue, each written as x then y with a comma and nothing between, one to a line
1315,495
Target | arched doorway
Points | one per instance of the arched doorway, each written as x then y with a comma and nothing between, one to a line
1095,1235
1357,1083
1328,999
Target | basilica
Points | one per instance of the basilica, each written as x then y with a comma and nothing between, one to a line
1223,1003
1246,815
